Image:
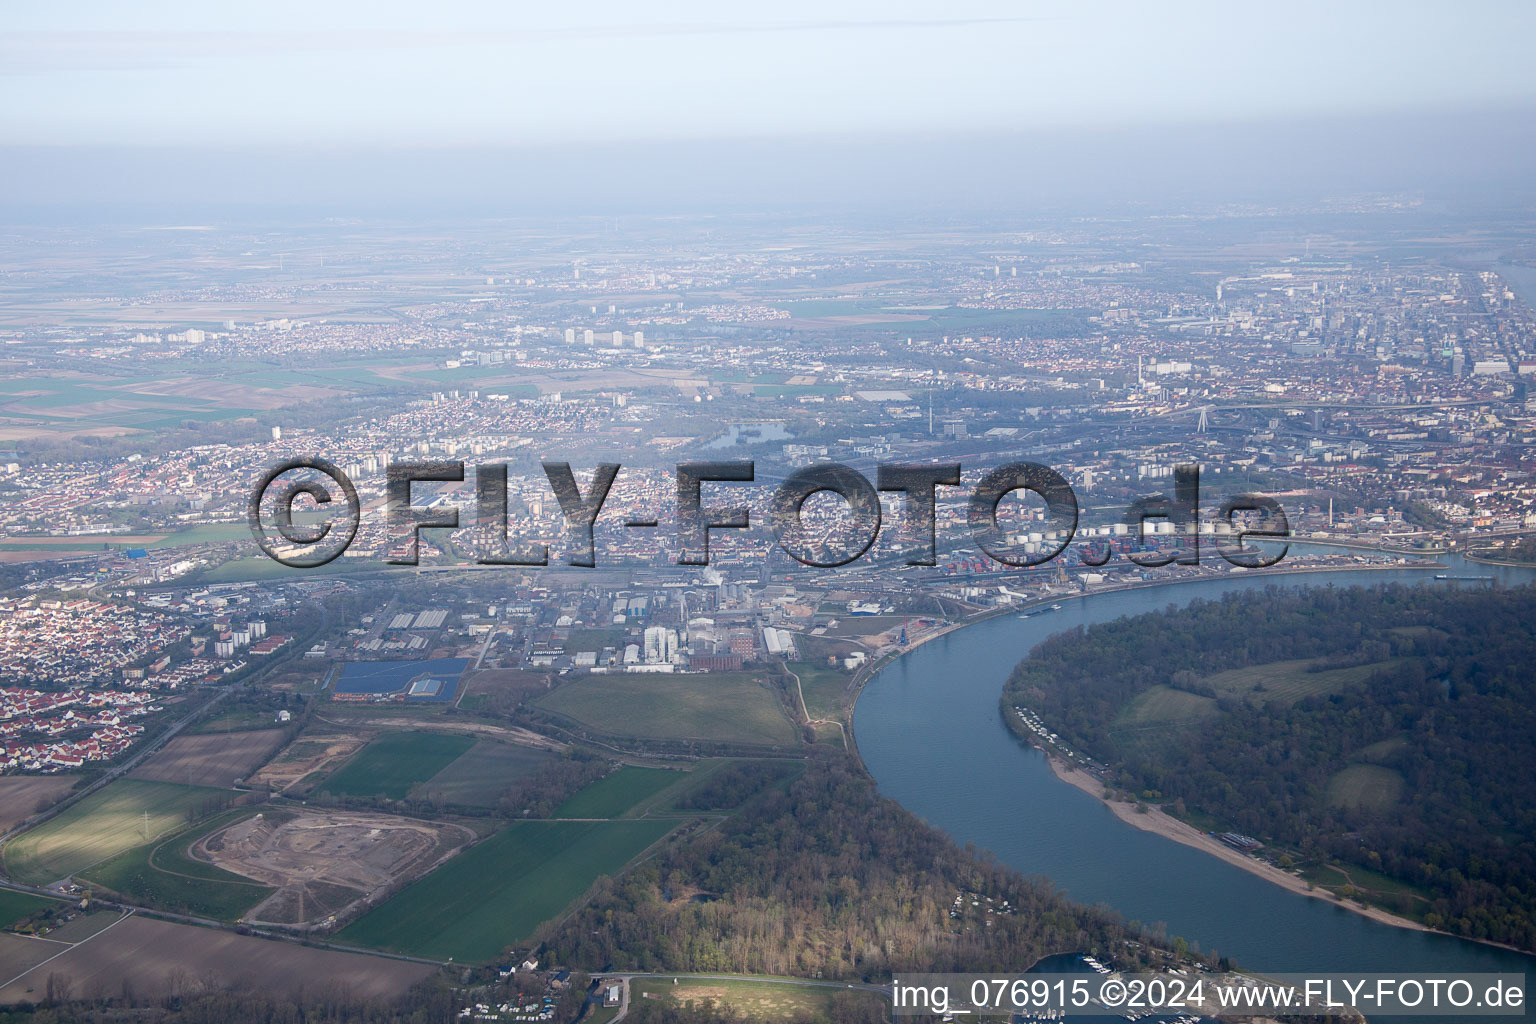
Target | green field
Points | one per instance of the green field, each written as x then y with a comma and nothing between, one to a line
822,686
615,794
1156,717
499,892
479,777
395,762
865,625
730,707
1384,751
162,875
1397,895
17,905
1367,787
206,534
763,1000
1163,705
102,825
26,544
592,640
239,720
1286,682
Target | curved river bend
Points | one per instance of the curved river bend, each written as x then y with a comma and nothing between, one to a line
929,731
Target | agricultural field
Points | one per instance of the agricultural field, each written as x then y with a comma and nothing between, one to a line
237,720
480,776
762,1000
1163,714
158,958
395,762
125,814
20,953
500,690
301,677
729,707
1163,705
1286,682
618,793
80,927
822,686
1157,717
1367,787
210,759
307,757
161,874
21,794
77,401
498,893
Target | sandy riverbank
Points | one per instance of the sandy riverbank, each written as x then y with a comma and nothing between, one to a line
1169,827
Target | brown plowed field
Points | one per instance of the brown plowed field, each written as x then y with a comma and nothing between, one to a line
159,958
217,759
19,795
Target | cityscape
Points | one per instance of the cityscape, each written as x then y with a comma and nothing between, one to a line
439,585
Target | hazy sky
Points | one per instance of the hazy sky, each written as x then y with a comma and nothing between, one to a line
166,72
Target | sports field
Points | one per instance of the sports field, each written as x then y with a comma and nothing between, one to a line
617,793
499,892
721,706
395,762
125,814
479,777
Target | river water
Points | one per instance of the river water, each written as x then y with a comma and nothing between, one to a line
929,730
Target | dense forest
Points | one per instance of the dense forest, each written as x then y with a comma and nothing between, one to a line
1441,704
825,878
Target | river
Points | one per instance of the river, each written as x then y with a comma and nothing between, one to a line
930,733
